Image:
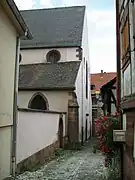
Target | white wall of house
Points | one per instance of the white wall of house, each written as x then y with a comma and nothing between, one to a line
85,46
57,100
31,56
78,91
84,103
33,136
7,67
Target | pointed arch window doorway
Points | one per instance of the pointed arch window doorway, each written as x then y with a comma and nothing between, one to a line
38,101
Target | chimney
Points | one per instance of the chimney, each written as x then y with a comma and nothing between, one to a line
101,75
102,71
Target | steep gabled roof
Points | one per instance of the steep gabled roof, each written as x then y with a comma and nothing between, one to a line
112,82
55,27
100,79
48,76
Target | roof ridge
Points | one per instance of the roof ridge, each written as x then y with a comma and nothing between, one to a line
67,62
103,73
62,7
31,64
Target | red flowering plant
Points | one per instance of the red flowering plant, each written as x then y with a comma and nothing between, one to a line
104,127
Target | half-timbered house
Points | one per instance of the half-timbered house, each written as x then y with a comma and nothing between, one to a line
125,13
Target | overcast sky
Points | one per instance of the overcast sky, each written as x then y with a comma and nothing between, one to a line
101,27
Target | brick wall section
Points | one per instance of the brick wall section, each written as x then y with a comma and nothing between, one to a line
129,164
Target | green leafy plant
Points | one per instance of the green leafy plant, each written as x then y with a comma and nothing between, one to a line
104,127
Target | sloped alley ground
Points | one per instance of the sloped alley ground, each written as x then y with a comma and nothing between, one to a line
71,165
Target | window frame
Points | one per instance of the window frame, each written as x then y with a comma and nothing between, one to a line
43,97
125,37
124,93
57,53
125,46
125,43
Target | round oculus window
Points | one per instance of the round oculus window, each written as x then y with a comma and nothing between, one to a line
53,56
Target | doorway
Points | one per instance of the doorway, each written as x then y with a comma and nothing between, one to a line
61,133
86,130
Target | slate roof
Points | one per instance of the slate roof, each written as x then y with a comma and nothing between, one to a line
55,27
45,76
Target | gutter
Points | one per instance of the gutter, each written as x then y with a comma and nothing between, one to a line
25,47
19,18
14,133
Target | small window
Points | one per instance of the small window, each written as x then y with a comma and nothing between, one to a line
53,56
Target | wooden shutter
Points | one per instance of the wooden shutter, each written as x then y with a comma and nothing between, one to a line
125,38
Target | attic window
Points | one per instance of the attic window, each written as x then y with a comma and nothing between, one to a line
53,56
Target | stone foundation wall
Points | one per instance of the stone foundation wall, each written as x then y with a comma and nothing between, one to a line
38,158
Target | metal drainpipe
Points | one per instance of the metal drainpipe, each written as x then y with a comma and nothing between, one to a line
119,79
14,135
82,108
118,56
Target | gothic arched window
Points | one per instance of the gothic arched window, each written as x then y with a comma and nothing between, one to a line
38,101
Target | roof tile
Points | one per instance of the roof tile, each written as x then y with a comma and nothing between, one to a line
55,27
100,79
48,76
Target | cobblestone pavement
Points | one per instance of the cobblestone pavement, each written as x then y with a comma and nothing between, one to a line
72,165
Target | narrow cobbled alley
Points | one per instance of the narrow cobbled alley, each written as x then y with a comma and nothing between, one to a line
71,165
